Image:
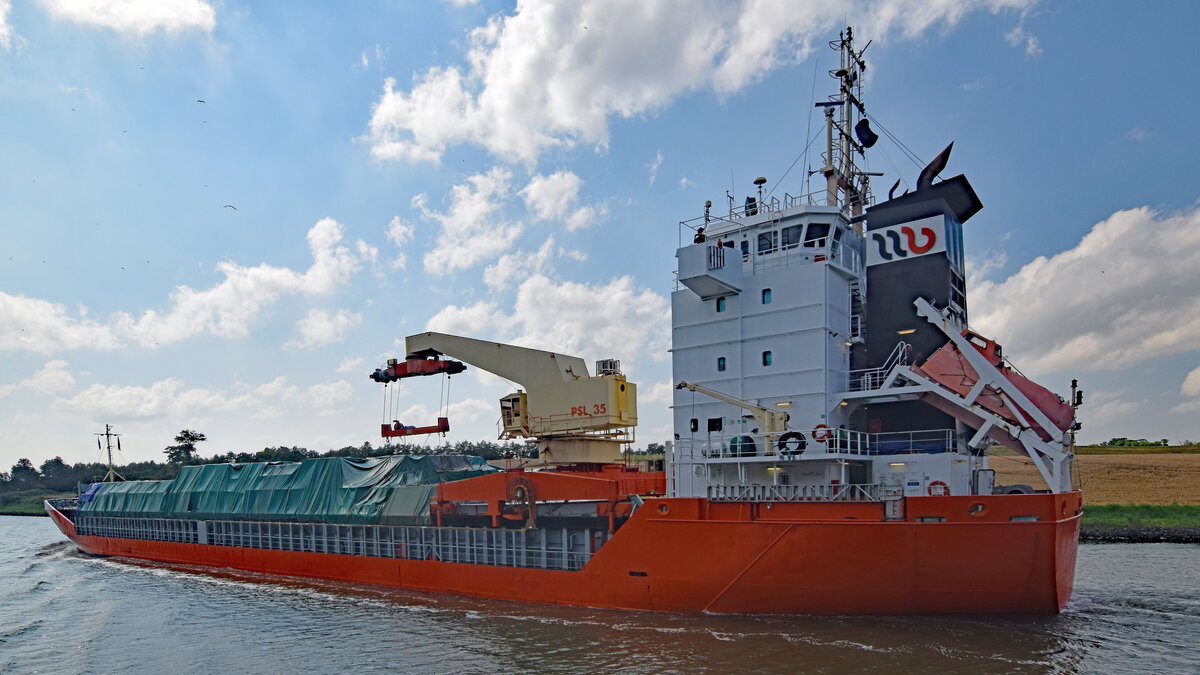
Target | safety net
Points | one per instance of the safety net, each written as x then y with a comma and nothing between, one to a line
381,490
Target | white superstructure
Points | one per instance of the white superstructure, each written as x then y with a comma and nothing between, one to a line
772,309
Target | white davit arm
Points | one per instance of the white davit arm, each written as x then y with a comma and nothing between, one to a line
772,421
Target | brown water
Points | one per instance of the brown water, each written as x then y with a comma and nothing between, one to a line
1136,606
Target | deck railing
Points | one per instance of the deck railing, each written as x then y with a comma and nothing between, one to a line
831,443
558,548
756,492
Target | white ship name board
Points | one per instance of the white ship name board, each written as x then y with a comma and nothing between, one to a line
907,240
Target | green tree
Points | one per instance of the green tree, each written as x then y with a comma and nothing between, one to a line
185,450
24,475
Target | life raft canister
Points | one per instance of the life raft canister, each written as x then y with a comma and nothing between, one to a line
938,488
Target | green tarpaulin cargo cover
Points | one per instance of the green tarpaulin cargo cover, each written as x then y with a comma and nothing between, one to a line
382,490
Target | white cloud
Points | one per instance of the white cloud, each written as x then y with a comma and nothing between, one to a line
1190,389
44,327
551,196
169,398
603,320
319,328
551,74
225,310
53,378
140,17
655,165
594,320
349,365
1107,407
399,233
481,318
464,412
554,197
1125,294
518,266
659,393
684,183
1019,37
1137,134
366,252
1191,383
470,230
981,266
6,31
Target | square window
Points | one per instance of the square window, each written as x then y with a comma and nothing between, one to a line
817,232
766,296
791,235
720,304
768,242
766,358
721,364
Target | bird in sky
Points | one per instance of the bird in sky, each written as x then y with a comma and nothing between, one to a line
231,206
199,100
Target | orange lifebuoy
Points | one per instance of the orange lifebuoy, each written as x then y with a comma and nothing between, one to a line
821,433
938,488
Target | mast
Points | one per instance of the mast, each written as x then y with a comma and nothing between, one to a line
112,476
846,186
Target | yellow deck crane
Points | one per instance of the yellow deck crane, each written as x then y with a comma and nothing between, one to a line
574,417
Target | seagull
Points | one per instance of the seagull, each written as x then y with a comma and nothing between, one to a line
199,100
231,206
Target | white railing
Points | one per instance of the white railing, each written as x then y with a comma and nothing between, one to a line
909,442
870,379
834,492
753,447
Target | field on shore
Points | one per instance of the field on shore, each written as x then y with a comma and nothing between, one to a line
1129,476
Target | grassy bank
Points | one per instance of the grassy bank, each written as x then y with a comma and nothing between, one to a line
1141,515
1137,450
28,502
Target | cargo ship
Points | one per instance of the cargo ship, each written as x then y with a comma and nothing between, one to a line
833,415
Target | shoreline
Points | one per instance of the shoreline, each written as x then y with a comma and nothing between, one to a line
1128,534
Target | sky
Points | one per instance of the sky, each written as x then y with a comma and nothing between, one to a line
222,216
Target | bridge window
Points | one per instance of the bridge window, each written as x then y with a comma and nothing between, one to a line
720,364
720,304
817,232
767,358
791,236
768,242
766,296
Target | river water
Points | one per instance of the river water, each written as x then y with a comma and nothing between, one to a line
1136,607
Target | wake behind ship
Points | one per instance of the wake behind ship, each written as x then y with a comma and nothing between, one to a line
832,420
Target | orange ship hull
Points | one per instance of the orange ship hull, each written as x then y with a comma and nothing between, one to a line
951,554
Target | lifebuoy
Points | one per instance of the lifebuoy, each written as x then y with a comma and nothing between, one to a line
821,433
938,488
792,443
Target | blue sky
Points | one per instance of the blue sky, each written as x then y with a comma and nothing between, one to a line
518,173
